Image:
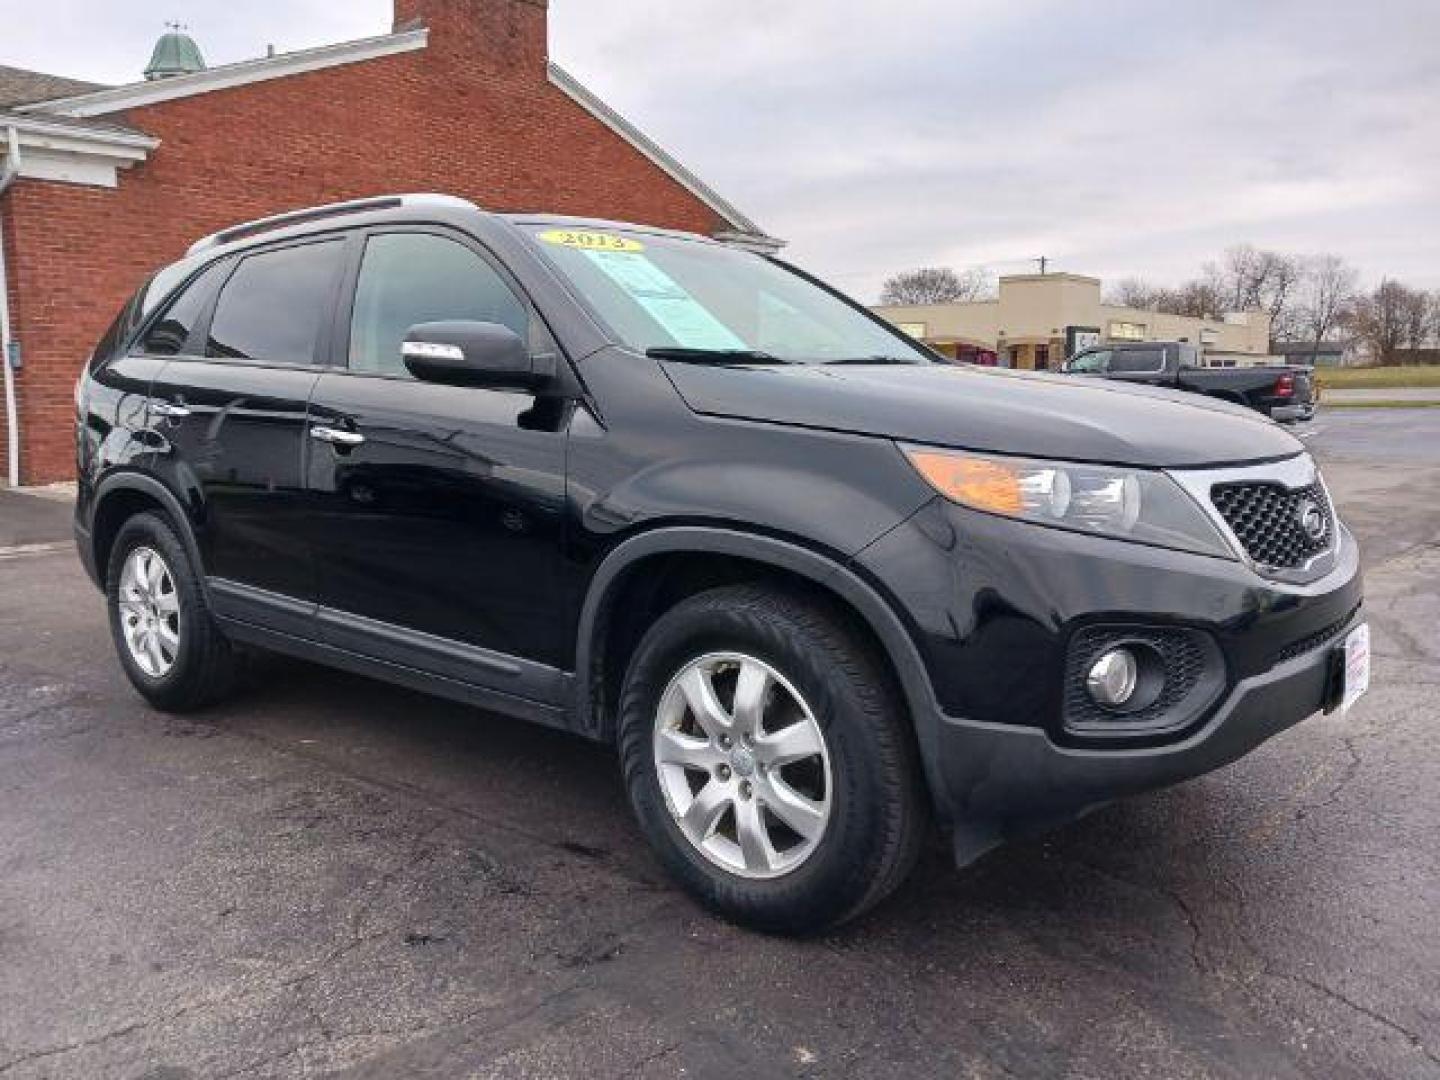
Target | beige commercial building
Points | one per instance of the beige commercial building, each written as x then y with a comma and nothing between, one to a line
1038,320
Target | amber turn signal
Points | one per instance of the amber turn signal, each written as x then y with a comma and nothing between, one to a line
977,482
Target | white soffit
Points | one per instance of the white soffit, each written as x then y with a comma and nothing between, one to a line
74,154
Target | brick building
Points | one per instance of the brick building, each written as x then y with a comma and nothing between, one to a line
101,185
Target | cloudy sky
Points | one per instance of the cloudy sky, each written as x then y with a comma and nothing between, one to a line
1116,137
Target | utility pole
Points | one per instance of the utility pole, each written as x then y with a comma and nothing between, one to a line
1044,262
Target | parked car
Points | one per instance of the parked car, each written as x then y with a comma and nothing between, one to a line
1282,392
815,586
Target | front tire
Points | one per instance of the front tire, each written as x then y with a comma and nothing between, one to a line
168,644
768,761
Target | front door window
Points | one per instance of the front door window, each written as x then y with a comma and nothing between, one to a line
411,278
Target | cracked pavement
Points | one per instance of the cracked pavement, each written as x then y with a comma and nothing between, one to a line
330,876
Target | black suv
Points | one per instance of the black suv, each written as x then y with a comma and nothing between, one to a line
814,585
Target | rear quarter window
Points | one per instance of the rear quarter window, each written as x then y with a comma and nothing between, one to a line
117,335
167,335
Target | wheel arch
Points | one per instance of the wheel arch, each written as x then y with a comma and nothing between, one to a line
594,666
123,495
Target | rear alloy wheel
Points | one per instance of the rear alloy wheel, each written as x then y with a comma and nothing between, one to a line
149,612
768,759
168,644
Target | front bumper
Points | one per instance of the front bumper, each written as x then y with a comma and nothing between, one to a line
995,606
1009,780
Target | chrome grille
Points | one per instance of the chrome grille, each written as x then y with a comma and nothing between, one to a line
1270,520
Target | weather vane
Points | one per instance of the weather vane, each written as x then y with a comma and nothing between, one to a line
176,25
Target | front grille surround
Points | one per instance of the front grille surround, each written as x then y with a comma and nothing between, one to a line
1193,673
1271,487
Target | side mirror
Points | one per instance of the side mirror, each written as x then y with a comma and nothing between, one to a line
463,353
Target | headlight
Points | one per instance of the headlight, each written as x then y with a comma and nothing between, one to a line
1129,504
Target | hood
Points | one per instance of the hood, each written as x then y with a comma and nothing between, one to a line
987,409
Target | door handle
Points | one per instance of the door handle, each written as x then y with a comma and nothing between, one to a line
173,412
335,437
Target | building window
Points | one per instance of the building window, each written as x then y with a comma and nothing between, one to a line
1127,331
914,329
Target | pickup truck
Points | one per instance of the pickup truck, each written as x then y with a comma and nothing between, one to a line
1284,392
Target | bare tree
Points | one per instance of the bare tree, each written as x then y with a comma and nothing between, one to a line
1238,278
1390,319
1283,273
1326,291
936,285
1198,298
1250,279
1414,319
1135,293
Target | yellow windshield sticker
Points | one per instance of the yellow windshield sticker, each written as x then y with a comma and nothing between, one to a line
590,241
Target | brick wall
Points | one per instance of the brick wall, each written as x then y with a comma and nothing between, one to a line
473,114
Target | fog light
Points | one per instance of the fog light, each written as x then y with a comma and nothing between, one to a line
1113,678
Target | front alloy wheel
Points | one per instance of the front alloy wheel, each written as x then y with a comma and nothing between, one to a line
743,765
769,759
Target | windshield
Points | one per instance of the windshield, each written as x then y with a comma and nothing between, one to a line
686,299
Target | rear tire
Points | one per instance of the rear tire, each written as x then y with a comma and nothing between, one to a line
167,641
830,731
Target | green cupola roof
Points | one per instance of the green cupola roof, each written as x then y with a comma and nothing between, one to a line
175,54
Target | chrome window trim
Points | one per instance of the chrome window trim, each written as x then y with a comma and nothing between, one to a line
1299,471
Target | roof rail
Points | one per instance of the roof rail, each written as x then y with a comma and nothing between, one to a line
319,213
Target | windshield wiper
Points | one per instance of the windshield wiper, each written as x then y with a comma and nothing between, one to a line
873,360
713,356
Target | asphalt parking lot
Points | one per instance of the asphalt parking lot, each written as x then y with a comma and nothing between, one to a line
329,875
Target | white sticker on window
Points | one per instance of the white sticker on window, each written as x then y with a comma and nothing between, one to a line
682,316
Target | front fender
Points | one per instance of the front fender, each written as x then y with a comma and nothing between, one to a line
837,578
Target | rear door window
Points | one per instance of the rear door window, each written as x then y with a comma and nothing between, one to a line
274,306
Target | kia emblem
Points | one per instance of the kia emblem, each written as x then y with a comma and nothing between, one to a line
1312,520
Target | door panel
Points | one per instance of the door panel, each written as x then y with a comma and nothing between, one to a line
447,519
234,448
439,509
